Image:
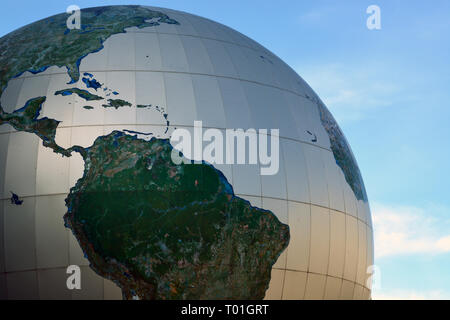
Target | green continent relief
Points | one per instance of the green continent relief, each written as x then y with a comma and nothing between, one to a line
116,103
166,231
86,95
342,153
48,42
26,119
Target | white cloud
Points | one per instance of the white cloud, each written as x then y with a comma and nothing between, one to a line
314,16
406,231
318,15
401,294
444,243
350,93
400,230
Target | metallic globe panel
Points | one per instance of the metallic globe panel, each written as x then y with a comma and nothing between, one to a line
196,70
52,238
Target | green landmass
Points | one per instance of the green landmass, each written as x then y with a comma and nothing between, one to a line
166,231
86,95
48,42
342,153
116,103
26,119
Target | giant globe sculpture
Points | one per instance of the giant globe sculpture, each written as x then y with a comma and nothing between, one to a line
94,184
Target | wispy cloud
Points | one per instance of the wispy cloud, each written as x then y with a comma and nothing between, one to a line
401,294
321,16
315,16
350,94
401,230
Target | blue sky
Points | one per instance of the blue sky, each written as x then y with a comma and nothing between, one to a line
388,89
